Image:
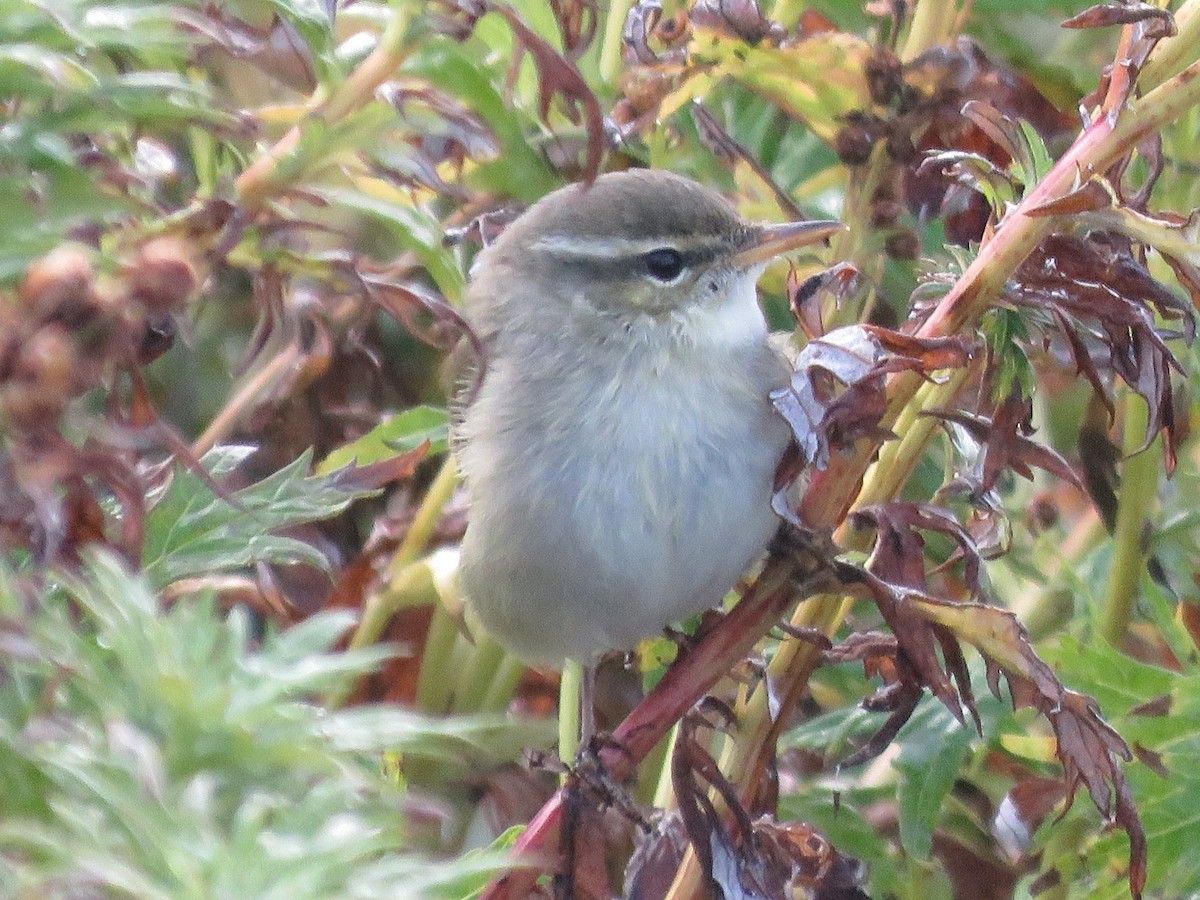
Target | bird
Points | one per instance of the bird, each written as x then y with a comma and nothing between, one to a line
619,451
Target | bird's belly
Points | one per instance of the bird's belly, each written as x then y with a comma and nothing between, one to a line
599,533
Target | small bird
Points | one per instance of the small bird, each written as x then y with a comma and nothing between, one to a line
619,453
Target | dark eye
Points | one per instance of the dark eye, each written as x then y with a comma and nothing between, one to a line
664,264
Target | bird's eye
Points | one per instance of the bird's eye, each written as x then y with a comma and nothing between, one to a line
664,264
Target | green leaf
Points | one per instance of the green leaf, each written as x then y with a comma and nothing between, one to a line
173,758
413,228
398,434
929,762
192,531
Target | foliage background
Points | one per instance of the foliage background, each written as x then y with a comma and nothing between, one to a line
227,275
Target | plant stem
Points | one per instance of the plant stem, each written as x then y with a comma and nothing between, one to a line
504,680
433,687
263,178
931,24
1139,488
610,50
473,684
439,494
1171,55
380,607
570,695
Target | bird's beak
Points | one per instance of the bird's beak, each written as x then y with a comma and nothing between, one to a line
769,241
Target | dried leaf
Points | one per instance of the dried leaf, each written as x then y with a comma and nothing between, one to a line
807,298
1005,446
558,76
729,151
739,19
1081,281
858,358
1103,15
577,21
759,859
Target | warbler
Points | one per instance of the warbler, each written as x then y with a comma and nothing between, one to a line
619,452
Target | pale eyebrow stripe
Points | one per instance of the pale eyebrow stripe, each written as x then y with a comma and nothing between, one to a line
613,248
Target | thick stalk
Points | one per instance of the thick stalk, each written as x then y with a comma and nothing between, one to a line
1139,488
932,21
610,50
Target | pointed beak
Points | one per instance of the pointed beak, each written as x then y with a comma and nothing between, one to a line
769,241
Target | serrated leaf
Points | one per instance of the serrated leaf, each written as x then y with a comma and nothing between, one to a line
191,530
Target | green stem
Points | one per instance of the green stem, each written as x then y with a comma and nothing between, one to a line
380,608
1139,488
610,50
433,683
659,761
505,678
570,697
931,24
475,681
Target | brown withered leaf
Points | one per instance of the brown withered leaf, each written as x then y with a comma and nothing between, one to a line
1152,760
378,474
577,22
740,19
940,83
807,298
558,76
714,136
1089,749
897,697
1006,443
1092,195
425,313
895,574
1105,14
1175,237
836,395
862,646
1159,706
756,859
440,129
1097,289
655,861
